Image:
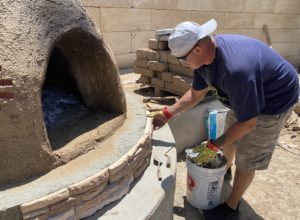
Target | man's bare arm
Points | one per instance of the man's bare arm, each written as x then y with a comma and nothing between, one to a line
188,100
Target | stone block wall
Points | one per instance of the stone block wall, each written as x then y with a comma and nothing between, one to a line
127,25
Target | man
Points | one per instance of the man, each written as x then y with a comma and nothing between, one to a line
254,81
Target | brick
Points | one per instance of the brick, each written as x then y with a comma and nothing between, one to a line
35,213
144,71
260,5
166,4
181,70
107,4
125,60
141,169
157,82
89,183
141,63
6,82
176,89
111,194
158,45
140,39
122,19
147,54
158,66
69,215
167,19
95,15
291,21
159,75
118,165
272,20
163,56
203,17
119,42
287,49
287,6
239,20
45,201
7,95
183,81
167,76
59,209
173,60
119,175
93,192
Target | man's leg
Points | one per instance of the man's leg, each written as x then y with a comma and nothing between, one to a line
242,180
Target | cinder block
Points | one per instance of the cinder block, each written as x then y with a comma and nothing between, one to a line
167,76
291,21
173,60
203,17
287,6
260,5
125,60
159,75
239,20
176,89
123,19
147,54
167,19
119,42
287,49
144,71
158,66
163,56
166,4
107,4
158,82
190,5
157,45
181,70
145,80
254,33
272,20
221,5
140,39
141,63
182,81
94,12
285,35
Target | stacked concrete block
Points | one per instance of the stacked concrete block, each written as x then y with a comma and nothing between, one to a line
161,70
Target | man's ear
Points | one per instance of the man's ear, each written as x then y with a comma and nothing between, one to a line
198,48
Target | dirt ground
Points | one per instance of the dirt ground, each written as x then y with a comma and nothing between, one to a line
274,193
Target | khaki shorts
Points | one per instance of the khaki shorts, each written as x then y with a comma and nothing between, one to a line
254,150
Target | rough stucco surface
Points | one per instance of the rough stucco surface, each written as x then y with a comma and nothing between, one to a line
29,29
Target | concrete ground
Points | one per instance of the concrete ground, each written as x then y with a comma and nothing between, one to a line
274,193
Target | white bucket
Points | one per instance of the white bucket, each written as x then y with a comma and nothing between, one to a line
204,185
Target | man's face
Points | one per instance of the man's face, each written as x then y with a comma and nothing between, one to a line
193,59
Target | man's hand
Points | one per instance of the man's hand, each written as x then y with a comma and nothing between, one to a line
207,151
160,118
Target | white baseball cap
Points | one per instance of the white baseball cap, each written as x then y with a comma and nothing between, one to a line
186,34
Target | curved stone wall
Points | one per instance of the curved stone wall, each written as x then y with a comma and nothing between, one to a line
84,198
29,31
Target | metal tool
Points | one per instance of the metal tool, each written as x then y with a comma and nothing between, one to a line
157,162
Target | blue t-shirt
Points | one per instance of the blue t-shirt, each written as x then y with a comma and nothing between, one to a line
252,78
